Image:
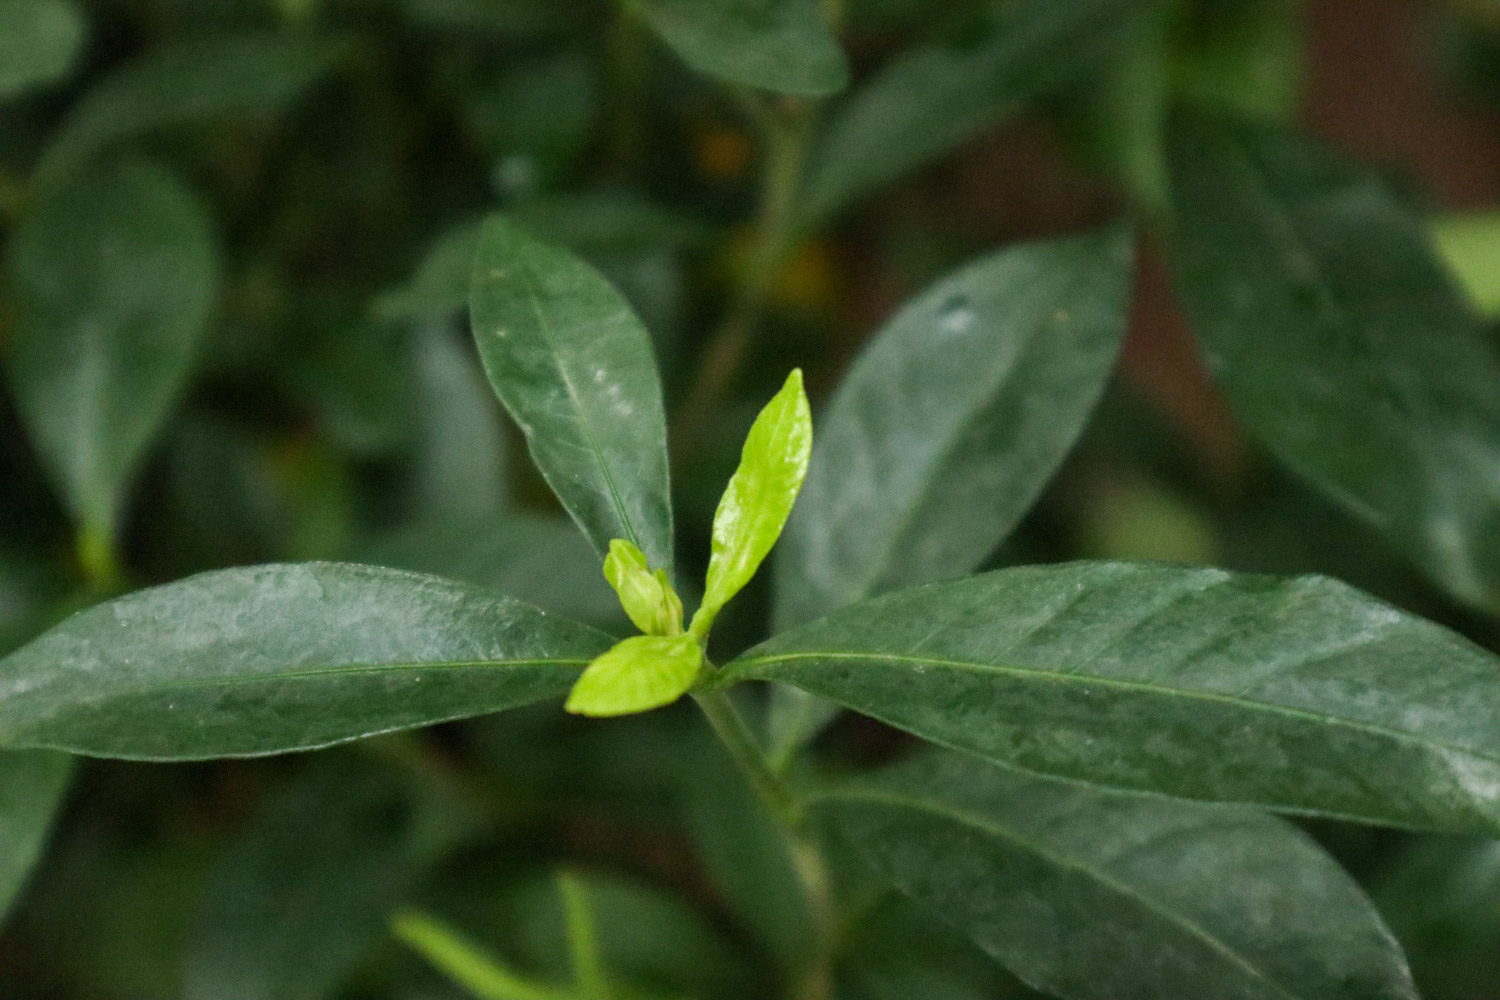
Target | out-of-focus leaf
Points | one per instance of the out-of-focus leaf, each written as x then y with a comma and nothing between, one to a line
638,674
1091,895
780,45
180,83
361,383
1341,341
39,40
952,420
573,366
1243,56
1297,694
934,97
108,287
305,892
439,288
284,657
759,497
1471,246
32,783
459,472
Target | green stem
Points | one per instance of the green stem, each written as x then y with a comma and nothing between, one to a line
466,964
806,854
98,557
583,943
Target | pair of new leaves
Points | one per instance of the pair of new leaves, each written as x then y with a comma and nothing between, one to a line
650,670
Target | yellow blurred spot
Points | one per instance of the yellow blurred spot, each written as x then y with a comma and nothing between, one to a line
723,153
808,281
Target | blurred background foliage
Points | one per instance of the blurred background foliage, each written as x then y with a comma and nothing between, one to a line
288,193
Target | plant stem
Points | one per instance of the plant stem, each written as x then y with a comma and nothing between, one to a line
583,944
806,855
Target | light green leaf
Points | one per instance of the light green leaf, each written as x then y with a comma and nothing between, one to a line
1342,342
185,82
759,497
780,45
573,366
952,420
647,598
934,97
1470,245
1299,694
39,40
267,659
1090,895
639,673
108,288
464,962
302,896
32,784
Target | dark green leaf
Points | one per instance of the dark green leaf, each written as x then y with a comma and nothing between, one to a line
1342,342
1299,694
273,658
109,284
305,892
934,97
1101,896
39,39
780,45
953,419
32,784
177,84
573,366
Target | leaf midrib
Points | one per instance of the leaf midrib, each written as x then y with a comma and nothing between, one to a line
1192,928
1058,677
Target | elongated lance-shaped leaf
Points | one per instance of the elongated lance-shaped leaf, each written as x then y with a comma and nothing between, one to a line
266,659
950,423
1092,895
39,40
930,99
638,674
178,84
780,45
108,289
1342,342
573,365
758,499
1299,694
32,783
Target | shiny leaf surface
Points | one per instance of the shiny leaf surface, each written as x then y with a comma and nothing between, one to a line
638,674
648,599
1342,342
574,367
267,659
1091,895
108,289
780,45
32,784
1299,694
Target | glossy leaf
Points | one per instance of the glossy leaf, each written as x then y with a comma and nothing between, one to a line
32,784
647,598
952,420
759,497
1341,341
303,894
1091,895
638,674
780,45
268,659
1299,694
109,285
573,366
39,40
182,83
934,97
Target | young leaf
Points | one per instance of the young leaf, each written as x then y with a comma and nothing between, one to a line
573,366
267,659
1342,342
780,45
177,84
39,39
109,283
1090,895
638,674
934,97
759,497
647,598
952,420
1299,694
32,784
